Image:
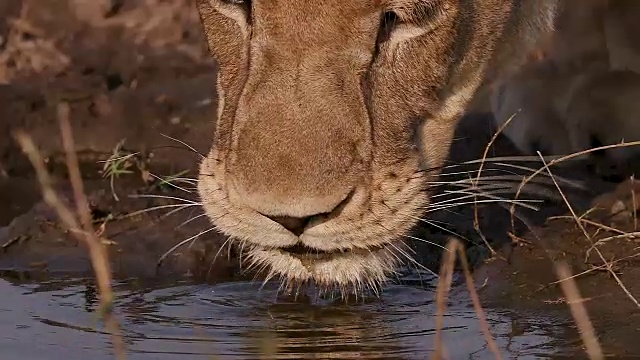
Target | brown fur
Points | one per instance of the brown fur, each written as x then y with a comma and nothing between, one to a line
328,113
585,90
622,34
605,109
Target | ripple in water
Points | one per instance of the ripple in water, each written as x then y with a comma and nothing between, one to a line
239,320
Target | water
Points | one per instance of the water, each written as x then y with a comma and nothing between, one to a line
58,320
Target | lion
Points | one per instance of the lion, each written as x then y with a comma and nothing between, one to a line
623,34
583,92
604,110
527,104
334,117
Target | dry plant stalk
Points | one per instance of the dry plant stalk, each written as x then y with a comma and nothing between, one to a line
557,160
82,229
586,234
597,268
476,216
456,249
580,315
28,56
590,222
567,282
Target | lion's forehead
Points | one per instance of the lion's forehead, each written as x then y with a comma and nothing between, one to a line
292,12
328,24
311,9
351,25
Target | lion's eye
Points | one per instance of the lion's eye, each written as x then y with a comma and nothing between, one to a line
403,24
389,21
243,5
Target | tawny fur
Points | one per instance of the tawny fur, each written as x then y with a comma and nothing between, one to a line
585,91
328,112
605,110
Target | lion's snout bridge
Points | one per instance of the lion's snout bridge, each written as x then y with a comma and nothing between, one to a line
295,155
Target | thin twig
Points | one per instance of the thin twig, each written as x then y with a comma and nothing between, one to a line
97,253
586,234
579,312
595,268
476,217
588,222
455,248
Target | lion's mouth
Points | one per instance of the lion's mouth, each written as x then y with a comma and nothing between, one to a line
340,267
309,254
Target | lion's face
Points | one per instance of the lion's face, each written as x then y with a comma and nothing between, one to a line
333,119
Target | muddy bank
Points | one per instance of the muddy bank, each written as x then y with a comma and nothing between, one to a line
130,71
35,245
134,74
524,277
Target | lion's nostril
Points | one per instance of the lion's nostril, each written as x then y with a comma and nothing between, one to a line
297,224
294,224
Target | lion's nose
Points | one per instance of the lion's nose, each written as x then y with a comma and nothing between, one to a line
294,224
298,224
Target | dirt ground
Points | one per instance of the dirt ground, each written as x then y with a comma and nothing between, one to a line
132,72
136,70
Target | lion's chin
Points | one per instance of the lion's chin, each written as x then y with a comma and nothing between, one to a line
355,269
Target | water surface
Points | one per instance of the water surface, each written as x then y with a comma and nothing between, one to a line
239,320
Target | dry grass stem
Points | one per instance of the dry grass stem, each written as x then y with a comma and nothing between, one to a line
586,234
635,208
596,268
456,249
476,217
556,160
589,222
493,139
579,312
82,229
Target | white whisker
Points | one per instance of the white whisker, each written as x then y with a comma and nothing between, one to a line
468,172
521,203
532,170
190,220
412,260
425,241
166,197
431,223
177,210
534,159
183,143
160,207
170,183
192,181
216,256
192,238
471,195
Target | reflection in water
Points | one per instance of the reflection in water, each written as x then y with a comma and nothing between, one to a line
238,320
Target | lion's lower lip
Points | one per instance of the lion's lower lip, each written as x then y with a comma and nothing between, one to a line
309,255
343,268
